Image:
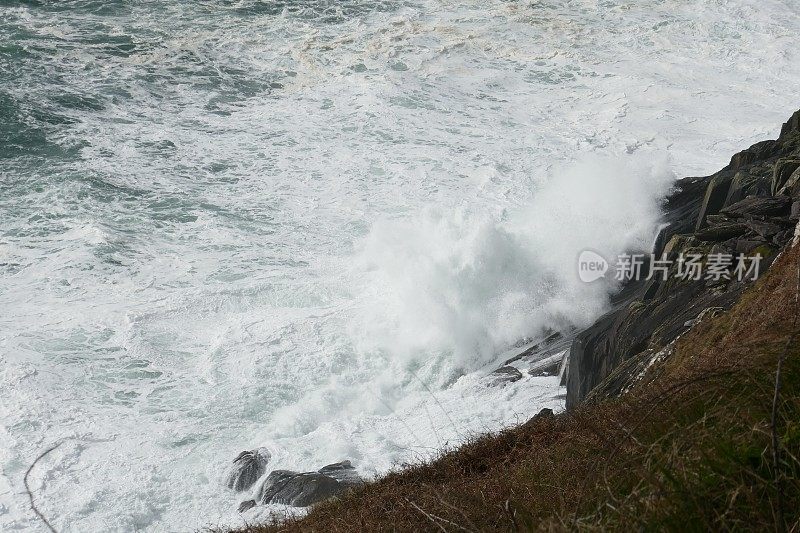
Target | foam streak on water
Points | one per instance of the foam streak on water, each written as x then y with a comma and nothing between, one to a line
290,224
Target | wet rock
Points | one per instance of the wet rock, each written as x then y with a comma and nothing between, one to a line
681,210
343,472
731,210
758,206
633,370
301,489
297,489
247,468
505,375
246,505
725,247
795,214
539,350
547,357
563,371
547,366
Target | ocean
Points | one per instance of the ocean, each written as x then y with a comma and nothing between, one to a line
316,226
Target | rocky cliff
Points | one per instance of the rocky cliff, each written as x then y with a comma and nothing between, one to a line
680,419
749,208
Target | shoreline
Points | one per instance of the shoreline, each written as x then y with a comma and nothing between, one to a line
753,204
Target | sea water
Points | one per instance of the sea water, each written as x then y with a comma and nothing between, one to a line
315,226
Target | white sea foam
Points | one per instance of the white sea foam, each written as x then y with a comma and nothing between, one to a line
471,282
314,229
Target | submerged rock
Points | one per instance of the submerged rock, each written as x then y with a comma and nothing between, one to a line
505,375
247,468
544,358
246,505
301,489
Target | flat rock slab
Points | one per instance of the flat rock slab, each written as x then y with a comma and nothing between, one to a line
759,206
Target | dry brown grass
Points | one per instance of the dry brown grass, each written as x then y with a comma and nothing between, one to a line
688,449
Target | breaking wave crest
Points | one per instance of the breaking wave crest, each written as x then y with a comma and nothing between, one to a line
468,282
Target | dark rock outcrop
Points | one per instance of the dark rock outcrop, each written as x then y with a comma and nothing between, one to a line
301,489
543,358
504,375
246,505
792,185
297,489
342,472
714,199
721,232
544,413
750,207
755,206
547,366
247,468
784,169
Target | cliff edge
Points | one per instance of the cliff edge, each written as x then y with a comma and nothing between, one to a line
749,208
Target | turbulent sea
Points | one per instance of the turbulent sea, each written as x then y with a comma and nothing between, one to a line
315,226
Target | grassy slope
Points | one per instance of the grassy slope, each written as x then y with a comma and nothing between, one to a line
687,449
